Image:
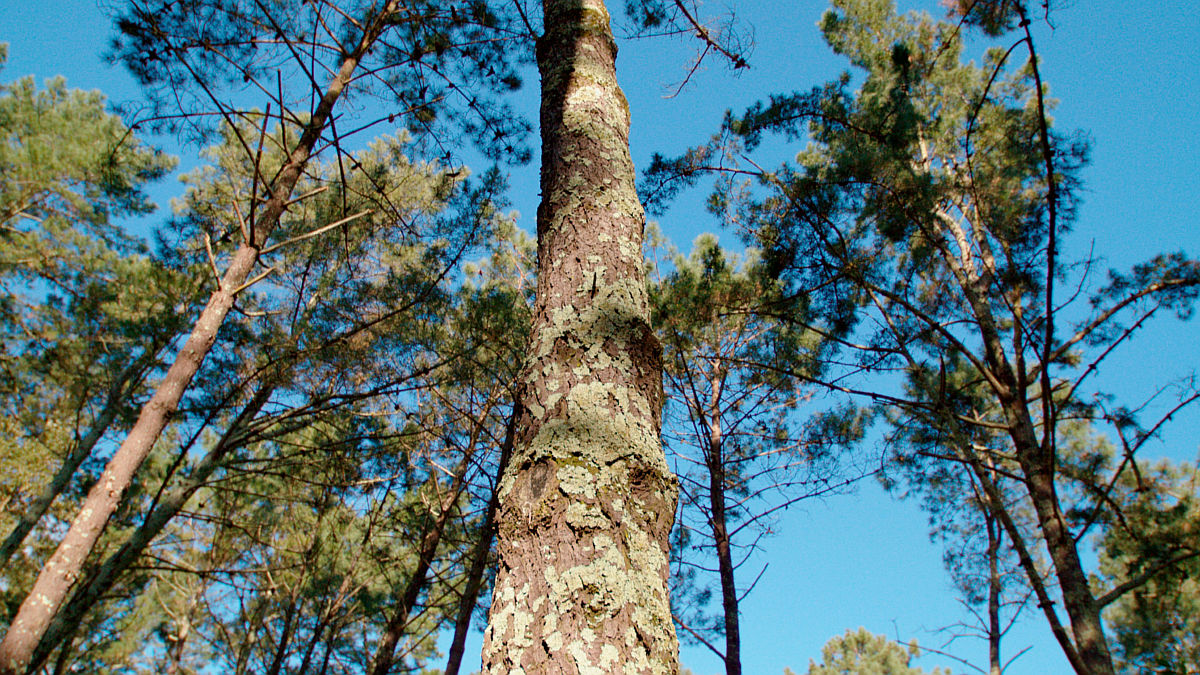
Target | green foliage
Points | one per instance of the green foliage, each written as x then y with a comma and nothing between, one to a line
85,310
440,68
1157,624
351,372
864,653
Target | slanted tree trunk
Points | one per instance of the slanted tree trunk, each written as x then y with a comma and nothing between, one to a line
587,504
61,570
479,556
1078,597
431,540
115,565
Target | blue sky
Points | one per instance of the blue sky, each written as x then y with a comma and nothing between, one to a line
1126,72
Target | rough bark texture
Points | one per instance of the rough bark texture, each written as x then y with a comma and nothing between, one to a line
61,570
587,505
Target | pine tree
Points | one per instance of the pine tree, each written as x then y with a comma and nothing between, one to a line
864,653
927,212
587,504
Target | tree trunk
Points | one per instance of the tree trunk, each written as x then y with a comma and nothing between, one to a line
385,653
1078,598
479,557
587,504
995,630
720,532
1037,469
63,567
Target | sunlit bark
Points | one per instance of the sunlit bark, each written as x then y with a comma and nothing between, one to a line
587,505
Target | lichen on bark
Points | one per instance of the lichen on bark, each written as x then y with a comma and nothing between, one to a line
589,499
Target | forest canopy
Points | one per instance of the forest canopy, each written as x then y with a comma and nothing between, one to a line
339,407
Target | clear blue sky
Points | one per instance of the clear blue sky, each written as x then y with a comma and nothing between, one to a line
1124,71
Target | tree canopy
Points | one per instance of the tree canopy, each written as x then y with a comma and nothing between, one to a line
339,407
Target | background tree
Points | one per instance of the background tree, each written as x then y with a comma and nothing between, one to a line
985,570
353,324
1152,548
85,312
203,49
740,452
931,202
864,653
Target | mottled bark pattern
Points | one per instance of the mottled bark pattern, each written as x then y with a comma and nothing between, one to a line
588,503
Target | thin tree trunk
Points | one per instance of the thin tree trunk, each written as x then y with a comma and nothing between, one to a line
183,631
63,663
251,623
997,506
479,556
63,567
285,639
994,628
179,646
295,602
385,653
587,504
716,495
328,615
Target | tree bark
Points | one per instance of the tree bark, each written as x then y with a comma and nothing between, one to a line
720,532
1078,598
1037,469
63,568
587,504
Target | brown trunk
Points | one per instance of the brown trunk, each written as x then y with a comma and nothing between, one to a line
994,628
1078,599
183,631
729,599
113,567
1037,468
289,624
720,532
385,653
587,504
61,570
479,557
